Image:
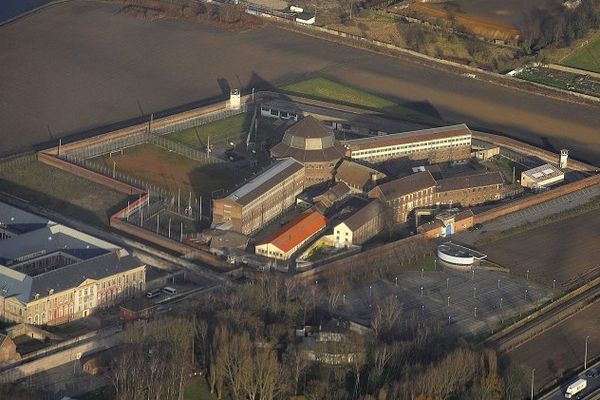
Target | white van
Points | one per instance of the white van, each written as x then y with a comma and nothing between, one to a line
575,387
169,290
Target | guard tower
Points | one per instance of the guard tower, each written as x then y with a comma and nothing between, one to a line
235,99
564,158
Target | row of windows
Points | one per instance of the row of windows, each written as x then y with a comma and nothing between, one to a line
416,147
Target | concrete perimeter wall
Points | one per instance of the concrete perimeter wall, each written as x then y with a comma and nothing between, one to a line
521,147
539,198
87,174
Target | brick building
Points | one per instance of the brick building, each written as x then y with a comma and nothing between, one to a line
51,274
403,195
360,178
419,190
264,198
309,142
8,350
436,145
446,224
469,190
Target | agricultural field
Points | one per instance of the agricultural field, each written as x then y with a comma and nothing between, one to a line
562,80
169,170
561,347
328,90
231,129
60,191
566,251
508,13
586,57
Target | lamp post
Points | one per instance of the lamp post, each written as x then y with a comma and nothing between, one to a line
447,283
586,352
532,380
448,301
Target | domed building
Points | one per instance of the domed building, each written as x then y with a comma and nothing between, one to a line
313,145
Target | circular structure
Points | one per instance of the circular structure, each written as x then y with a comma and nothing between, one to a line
313,145
458,256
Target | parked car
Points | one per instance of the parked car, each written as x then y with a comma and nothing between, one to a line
169,290
153,293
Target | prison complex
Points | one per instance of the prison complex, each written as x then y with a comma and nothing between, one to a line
51,274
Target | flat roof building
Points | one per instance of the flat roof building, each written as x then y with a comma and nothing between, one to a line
289,238
443,144
542,176
262,199
50,273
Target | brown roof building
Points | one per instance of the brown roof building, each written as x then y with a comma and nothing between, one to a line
357,176
360,226
312,144
443,144
446,224
334,194
470,190
403,195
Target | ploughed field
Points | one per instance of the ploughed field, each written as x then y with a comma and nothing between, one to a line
566,251
562,347
83,65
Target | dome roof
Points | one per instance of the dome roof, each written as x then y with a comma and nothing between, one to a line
308,140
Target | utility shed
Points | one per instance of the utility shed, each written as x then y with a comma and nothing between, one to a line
542,176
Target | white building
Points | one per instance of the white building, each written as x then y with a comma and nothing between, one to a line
542,176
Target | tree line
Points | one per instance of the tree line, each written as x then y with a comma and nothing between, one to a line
244,342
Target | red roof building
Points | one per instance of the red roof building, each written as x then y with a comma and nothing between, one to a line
289,238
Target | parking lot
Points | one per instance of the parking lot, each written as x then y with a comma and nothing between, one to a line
470,302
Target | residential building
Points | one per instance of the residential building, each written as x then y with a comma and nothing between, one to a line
360,226
262,199
542,176
313,145
469,190
50,273
292,236
358,177
403,195
436,145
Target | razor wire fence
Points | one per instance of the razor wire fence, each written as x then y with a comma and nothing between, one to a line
17,161
148,133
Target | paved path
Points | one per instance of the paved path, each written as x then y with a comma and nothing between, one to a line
80,66
576,71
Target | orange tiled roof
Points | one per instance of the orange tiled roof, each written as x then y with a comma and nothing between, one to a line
296,231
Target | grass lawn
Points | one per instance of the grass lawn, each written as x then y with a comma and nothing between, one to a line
60,191
169,170
228,129
197,389
586,57
327,90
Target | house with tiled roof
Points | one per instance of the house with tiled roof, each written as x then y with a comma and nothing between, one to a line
288,239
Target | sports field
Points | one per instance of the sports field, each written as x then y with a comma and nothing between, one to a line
566,251
231,129
586,57
60,191
169,170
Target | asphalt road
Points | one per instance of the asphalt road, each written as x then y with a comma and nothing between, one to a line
593,385
78,67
